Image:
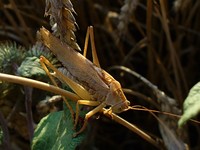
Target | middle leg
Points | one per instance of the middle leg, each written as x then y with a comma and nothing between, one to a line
99,107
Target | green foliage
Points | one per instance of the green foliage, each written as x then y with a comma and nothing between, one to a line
39,49
11,57
191,105
31,67
55,132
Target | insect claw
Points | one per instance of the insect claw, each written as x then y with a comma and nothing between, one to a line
109,112
129,107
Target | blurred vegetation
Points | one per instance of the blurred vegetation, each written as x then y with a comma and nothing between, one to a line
158,39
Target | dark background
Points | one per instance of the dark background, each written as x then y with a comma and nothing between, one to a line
130,34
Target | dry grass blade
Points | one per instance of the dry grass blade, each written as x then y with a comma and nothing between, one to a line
172,136
13,23
149,35
19,22
145,136
178,71
126,15
22,22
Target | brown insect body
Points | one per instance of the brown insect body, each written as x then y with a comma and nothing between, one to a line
101,85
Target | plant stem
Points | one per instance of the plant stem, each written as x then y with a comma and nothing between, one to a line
37,84
57,90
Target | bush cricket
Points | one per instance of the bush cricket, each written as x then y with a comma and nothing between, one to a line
95,86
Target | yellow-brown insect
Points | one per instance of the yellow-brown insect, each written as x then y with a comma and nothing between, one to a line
95,86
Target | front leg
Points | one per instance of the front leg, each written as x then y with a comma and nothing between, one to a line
44,62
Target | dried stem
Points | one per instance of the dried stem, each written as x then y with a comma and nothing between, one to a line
53,89
134,128
37,84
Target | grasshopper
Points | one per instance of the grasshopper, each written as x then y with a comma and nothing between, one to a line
92,84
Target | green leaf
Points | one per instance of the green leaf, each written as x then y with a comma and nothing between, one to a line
31,67
55,132
191,105
11,55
